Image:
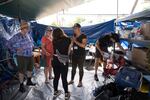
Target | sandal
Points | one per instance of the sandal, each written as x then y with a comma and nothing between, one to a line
57,93
70,82
80,84
67,96
46,82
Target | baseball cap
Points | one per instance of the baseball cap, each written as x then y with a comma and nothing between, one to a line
77,25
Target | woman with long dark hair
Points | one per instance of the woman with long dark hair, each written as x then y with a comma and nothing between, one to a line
61,45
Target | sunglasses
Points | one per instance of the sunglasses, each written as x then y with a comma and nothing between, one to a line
75,27
50,30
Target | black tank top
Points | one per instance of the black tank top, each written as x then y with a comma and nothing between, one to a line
62,45
79,51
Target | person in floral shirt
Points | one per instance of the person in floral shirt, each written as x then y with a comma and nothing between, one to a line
22,45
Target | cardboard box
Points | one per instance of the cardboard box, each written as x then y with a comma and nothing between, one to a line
139,56
145,29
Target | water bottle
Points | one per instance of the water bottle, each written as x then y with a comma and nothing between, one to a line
129,55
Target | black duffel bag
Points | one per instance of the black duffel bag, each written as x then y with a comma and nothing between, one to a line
112,92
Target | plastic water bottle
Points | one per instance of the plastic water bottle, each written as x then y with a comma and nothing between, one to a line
129,55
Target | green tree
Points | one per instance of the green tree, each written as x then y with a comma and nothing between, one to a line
55,24
79,20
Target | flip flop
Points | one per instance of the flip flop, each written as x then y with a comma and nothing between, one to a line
56,94
79,85
71,82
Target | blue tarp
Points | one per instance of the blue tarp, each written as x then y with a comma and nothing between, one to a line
8,27
128,25
93,32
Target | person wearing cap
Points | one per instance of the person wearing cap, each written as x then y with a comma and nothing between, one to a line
22,45
79,42
47,53
102,45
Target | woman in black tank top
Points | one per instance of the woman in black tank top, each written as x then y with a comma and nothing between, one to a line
61,44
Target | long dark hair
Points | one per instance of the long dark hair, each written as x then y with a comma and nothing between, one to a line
58,34
115,36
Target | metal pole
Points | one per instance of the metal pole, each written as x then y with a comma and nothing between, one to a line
117,8
19,11
133,8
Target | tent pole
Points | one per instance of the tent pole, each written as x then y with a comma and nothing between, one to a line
117,8
19,12
133,8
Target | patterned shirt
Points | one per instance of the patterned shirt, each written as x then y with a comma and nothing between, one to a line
25,43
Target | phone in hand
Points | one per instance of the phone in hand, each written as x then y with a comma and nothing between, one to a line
74,35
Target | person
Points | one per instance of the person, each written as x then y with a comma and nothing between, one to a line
47,53
61,44
78,55
102,45
22,44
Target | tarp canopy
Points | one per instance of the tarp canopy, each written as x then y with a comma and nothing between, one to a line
144,15
32,9
93,32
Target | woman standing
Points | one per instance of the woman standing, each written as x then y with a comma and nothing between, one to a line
47,53
61,44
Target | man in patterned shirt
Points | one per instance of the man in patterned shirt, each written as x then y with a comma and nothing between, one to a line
22,45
